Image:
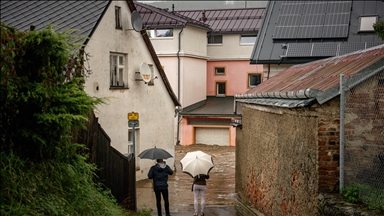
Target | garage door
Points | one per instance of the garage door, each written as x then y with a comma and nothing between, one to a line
212,136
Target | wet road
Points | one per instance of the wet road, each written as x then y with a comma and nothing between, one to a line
220,197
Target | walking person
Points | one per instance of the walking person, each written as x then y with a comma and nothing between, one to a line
159,173
199,189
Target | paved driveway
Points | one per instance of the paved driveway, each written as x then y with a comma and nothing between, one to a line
220,198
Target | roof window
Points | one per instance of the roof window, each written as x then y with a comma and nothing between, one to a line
366,23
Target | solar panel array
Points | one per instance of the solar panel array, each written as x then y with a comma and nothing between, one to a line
313,19
326,49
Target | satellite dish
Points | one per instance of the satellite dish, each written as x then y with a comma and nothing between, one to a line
145,72
137,22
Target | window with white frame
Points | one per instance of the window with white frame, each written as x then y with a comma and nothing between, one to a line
220,89
219,70
254,79
366,23
137,143
160,33
117,69
215,39
248,39
118,18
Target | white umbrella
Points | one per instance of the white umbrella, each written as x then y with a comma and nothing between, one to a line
196,162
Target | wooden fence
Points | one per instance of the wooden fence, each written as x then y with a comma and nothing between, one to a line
115,171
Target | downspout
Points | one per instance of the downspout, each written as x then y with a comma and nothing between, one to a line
269,70
179,117
341,132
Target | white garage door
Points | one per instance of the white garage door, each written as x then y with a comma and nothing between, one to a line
212,136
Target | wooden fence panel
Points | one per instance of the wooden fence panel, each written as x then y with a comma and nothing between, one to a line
115,171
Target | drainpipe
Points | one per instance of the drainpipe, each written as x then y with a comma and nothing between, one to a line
179,117
341,132
269,71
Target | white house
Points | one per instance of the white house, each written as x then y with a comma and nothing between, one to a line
116,53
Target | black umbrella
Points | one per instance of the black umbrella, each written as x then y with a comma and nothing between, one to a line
154,153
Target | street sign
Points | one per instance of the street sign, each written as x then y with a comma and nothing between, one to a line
133,116
133,123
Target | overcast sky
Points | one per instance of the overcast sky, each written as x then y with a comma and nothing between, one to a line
200,4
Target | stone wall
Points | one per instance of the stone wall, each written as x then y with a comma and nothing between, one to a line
285,156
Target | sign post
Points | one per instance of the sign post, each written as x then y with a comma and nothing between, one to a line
133,121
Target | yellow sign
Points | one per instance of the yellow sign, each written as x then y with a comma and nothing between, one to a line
133,116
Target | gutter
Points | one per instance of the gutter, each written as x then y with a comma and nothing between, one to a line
179,109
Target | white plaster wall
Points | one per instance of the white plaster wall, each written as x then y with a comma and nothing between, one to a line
194,80
194,42
230,49
153,103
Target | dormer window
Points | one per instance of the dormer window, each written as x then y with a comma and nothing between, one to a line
366,23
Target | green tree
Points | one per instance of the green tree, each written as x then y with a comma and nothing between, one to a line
42,96
42,102
378,27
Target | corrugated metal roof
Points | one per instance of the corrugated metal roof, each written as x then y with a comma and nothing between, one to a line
79,15
154,17
270,50
320,79
240,20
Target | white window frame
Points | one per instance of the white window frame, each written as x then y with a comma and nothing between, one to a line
118,70
217,72
118,24
137,144
245,37
154,33
250,85
366,23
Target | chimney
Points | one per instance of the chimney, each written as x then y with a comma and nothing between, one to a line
203,17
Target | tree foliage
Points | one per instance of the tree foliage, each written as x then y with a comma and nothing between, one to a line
42,95
379,29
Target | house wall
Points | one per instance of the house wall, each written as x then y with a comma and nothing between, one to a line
193,60
271,70
230,49
284,157
152,102
236,76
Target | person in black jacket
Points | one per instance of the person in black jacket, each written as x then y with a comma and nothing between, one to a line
159,173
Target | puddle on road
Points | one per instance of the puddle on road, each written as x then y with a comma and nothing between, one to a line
220,185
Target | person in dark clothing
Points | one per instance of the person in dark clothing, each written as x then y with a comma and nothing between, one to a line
159,173
199,189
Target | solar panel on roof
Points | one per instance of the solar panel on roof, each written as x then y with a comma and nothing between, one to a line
313,19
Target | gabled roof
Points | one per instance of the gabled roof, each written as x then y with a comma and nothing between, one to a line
295,32
82,15
154,17
79,15
318,81
241,20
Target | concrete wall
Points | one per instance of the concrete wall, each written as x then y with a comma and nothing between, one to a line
236,76
284,157
153,103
